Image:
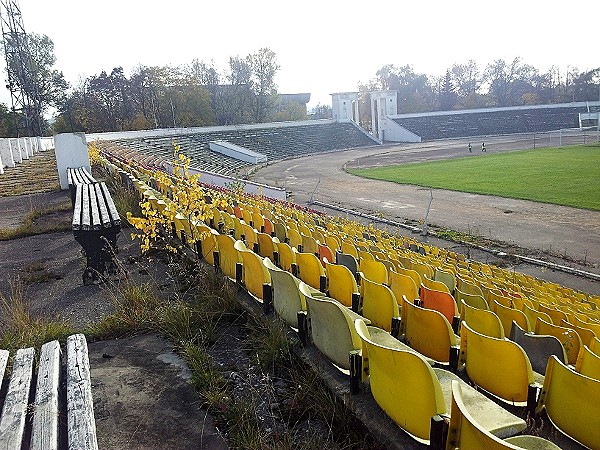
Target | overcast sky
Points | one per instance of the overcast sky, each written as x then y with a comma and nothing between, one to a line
322,46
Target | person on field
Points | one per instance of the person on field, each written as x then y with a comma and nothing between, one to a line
470,149
483,147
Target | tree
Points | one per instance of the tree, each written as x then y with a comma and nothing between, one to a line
264,68
508,82
448,97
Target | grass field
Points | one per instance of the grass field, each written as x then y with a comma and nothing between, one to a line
564,176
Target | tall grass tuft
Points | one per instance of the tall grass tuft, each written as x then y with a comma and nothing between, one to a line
20,329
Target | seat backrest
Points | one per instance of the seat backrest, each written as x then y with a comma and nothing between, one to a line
445,277
287,257
280,231
434,285
585,334
332,328
483,321
254,272
508,315
499,366
411,273
309,244
345,259
588,363
325,253
533,314
594,326
568,337
349,248
555,314
228,255
378,303
439,301
341,283
571,401
403,384
422,269
427,331
468,287
287,298
266,245
294,237
539,348
473,300
403,285
310,269
374,270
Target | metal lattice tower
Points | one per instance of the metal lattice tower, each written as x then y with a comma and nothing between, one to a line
22,81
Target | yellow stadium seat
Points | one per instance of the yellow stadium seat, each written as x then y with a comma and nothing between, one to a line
434,285
499,366
267,246
310,270
341,284
465,433
483,321
588,363
447,278
532,316
585,334
410,273
468,287
555,314
571,402
508,315
568,337
403,285
309,244
294,238
374,270
254,274
287,257
473,300
378,304
228,255
429,332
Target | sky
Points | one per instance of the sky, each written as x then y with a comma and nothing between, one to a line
322,46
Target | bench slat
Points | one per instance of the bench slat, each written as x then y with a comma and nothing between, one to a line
44,432
96,224
85,207
76,224
80,412
12,422
104,215
112,209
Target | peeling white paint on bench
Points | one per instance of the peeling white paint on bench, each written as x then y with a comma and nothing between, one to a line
12,422
44,432
80,412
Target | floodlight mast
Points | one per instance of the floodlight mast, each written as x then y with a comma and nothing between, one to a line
22,81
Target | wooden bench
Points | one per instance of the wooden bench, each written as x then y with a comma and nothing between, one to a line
75,176
35,407
96,225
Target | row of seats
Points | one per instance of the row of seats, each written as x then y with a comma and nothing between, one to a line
312,293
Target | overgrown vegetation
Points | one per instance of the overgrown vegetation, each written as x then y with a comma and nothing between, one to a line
563,176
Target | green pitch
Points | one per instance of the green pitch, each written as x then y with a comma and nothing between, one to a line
563,176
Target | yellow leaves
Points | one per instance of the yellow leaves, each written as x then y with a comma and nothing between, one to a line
94,154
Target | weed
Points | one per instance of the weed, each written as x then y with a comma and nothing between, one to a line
36,222
20,329
270,342
37,272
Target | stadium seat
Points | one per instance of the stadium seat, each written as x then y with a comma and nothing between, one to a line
254,273
309,244
464,432
332,327
345,259
499,366
428,332
567,337
228,255
294,238
341,284
434,285
411,392
403,285
483,321
310,270
267,246
374,270
439,301
447,278
468,287
532,316
571,402
378,304
422,269
585,334
507,315
410,273
473,300
287,298
555,314
539,348
588,363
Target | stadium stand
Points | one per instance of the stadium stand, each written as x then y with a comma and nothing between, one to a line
492,121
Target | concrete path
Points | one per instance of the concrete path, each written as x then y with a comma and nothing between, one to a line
574,233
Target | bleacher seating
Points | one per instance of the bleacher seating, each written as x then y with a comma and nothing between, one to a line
275,142
489,123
